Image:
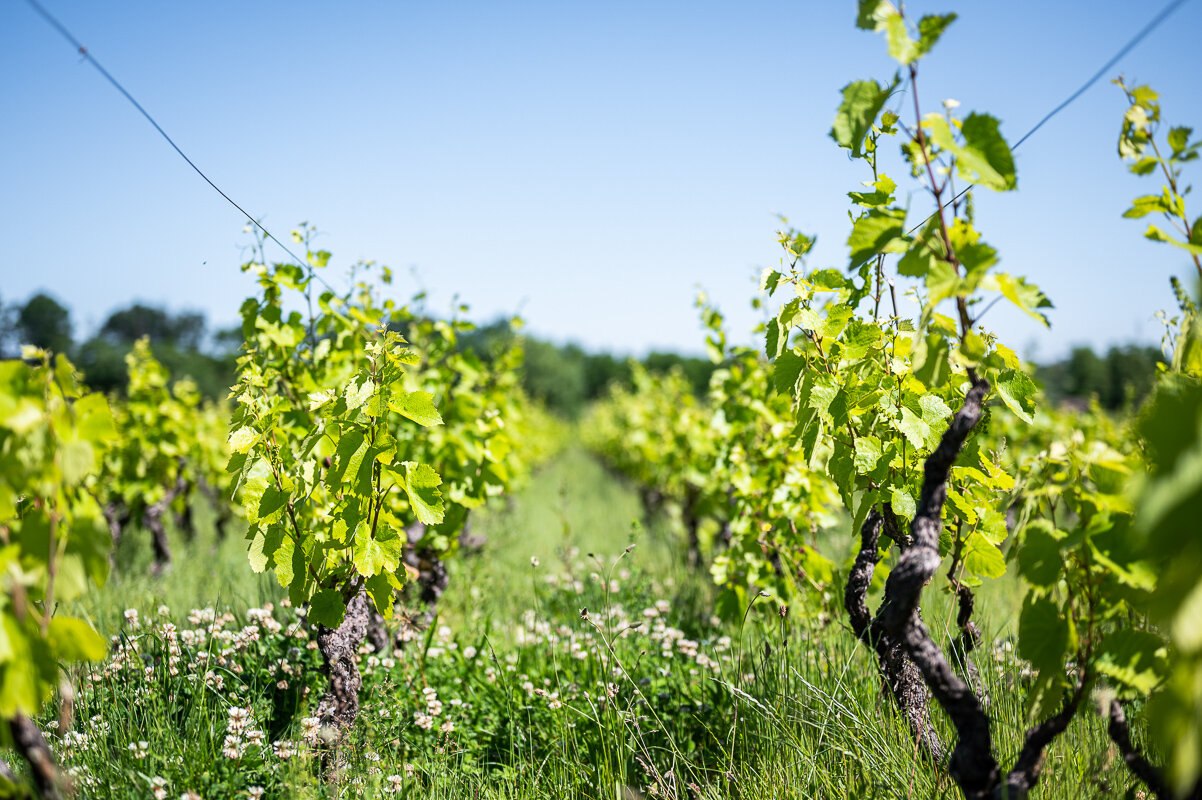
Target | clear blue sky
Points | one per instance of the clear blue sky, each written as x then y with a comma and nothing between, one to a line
590,164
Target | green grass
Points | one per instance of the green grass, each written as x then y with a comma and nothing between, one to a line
646,695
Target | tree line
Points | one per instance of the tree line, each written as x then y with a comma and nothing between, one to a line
564,377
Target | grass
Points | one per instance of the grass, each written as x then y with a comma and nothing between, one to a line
563,663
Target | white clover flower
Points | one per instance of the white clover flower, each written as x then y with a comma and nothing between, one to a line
310,729
394,785
231,748
238,719
139,749
131,617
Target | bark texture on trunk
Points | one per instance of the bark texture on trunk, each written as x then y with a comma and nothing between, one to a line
153,520
964,644
431,572
471,543
652,501
339,706
972,762
377,633
692,525
1140,767
29,743
117,516
900,676
221,505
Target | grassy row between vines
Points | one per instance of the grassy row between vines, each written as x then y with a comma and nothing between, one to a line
563,664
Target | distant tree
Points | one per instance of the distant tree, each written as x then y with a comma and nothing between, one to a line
227,340
602,369
184,331
8,330
44,322
1122,377
555,375
103,365
1086,374
697,370
1132,372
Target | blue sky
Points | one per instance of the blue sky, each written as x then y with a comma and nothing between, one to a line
590,164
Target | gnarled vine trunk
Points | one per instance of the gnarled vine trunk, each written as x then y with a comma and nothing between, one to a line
31,745
972,764
339,706
899,675
1139,766
692,526
431,572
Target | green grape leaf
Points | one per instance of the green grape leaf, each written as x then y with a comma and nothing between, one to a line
258,558
94,419
367,556
930,360
934,410
284,557
74,640
903,502
912,427
786,370
1018,392
77,460
881,195
1136,660
879,230
1027,296
1148,204
862,102
241,440
870,14
774,339
1043,634
984,158
1039,559
769,280
982,557
348,457
417,406
1178,139
380,590
327,608
270,504
984,141
930,28
421,484
842,469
